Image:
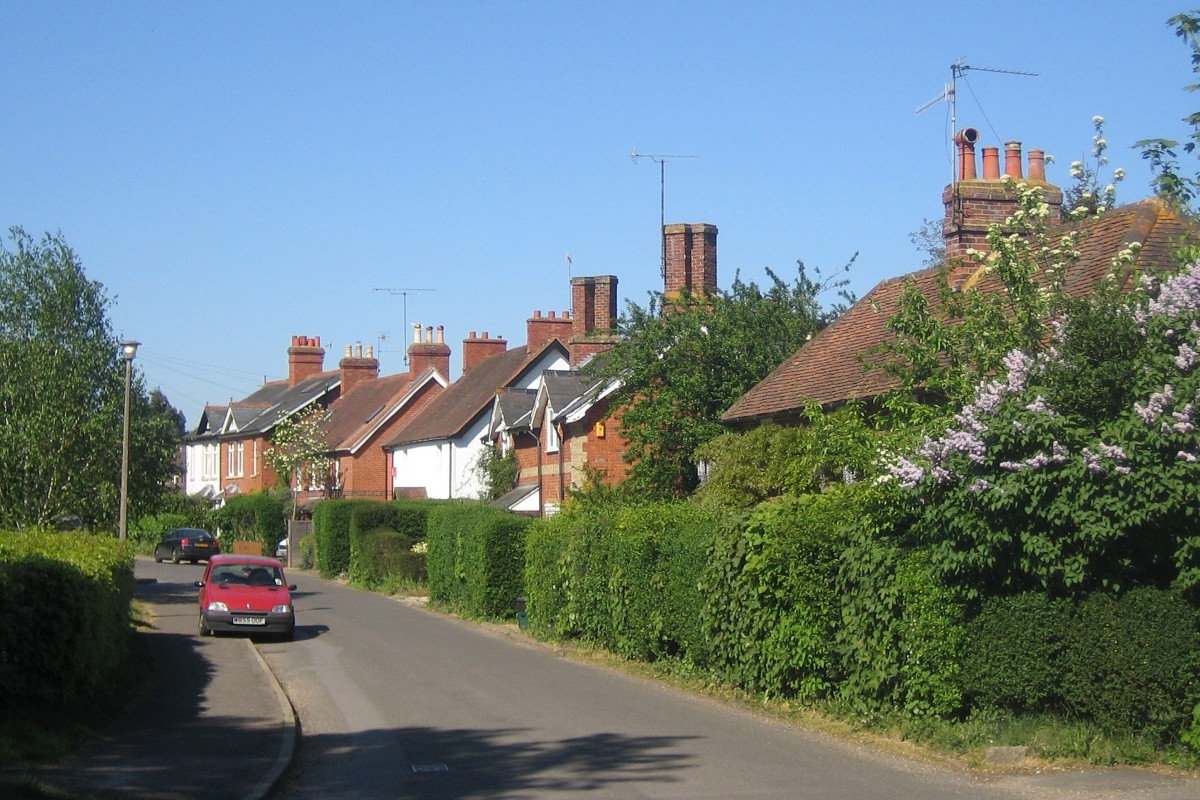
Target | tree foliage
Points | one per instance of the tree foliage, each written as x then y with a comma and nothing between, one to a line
1170,180
771,461
680,369
62,397
299,453
497,471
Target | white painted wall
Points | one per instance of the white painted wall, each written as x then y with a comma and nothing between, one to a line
202,462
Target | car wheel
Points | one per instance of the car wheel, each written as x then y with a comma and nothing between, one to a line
203,629
195,561
175,556
157,557
289,634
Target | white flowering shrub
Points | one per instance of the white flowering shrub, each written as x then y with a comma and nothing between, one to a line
1078,468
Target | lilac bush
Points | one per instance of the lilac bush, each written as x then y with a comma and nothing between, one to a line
1049,479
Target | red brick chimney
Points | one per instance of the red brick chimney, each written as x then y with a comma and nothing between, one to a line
973,204
477,348
540,330
306,358
691,259
358,368
593,317
429,353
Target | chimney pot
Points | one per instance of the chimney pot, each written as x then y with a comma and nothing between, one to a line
966,139
348,351
1012,160
991,163
1037,166
440,334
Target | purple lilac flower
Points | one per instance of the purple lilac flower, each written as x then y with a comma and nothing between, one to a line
906,472
1186,358
1183,455
1091,461
1040,406
978,486
1157,406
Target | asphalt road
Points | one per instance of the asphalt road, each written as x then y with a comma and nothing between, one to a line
396,701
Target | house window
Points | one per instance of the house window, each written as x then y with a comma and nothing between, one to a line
211,459
235,466
552,440
254,460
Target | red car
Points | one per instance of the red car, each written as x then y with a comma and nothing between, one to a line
246,594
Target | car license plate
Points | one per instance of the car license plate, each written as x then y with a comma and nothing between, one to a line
201,545
249,621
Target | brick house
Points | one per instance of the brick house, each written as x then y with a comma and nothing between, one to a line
245,433
435,454
829,369
361,410
371,409
563,430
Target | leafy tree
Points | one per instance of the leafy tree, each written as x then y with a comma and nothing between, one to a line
1169,181
298,452
62,397
682,368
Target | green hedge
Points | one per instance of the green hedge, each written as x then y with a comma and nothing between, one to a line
257,517
1013,658
1131,663
771,606
381,538
66,600
476,558
331,530
625,578
902,631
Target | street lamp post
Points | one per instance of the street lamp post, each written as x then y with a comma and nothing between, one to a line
128,351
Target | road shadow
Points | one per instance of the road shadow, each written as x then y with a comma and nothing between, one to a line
458,764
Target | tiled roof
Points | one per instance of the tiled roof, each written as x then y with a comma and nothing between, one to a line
359,413
274,401
829,369
514,407
209,424
451,412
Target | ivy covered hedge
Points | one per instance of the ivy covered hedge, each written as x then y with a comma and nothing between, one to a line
66,600
771,606
622,577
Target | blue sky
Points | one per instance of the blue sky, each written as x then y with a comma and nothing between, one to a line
239,173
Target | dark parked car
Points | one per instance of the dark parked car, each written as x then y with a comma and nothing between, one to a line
187,544
246,594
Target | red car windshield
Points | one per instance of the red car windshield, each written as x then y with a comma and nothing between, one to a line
247,575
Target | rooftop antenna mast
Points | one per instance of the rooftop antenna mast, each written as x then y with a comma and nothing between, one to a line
950,95
661,160
404,293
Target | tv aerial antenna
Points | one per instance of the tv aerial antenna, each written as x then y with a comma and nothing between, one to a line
661,160
403,293
950,95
